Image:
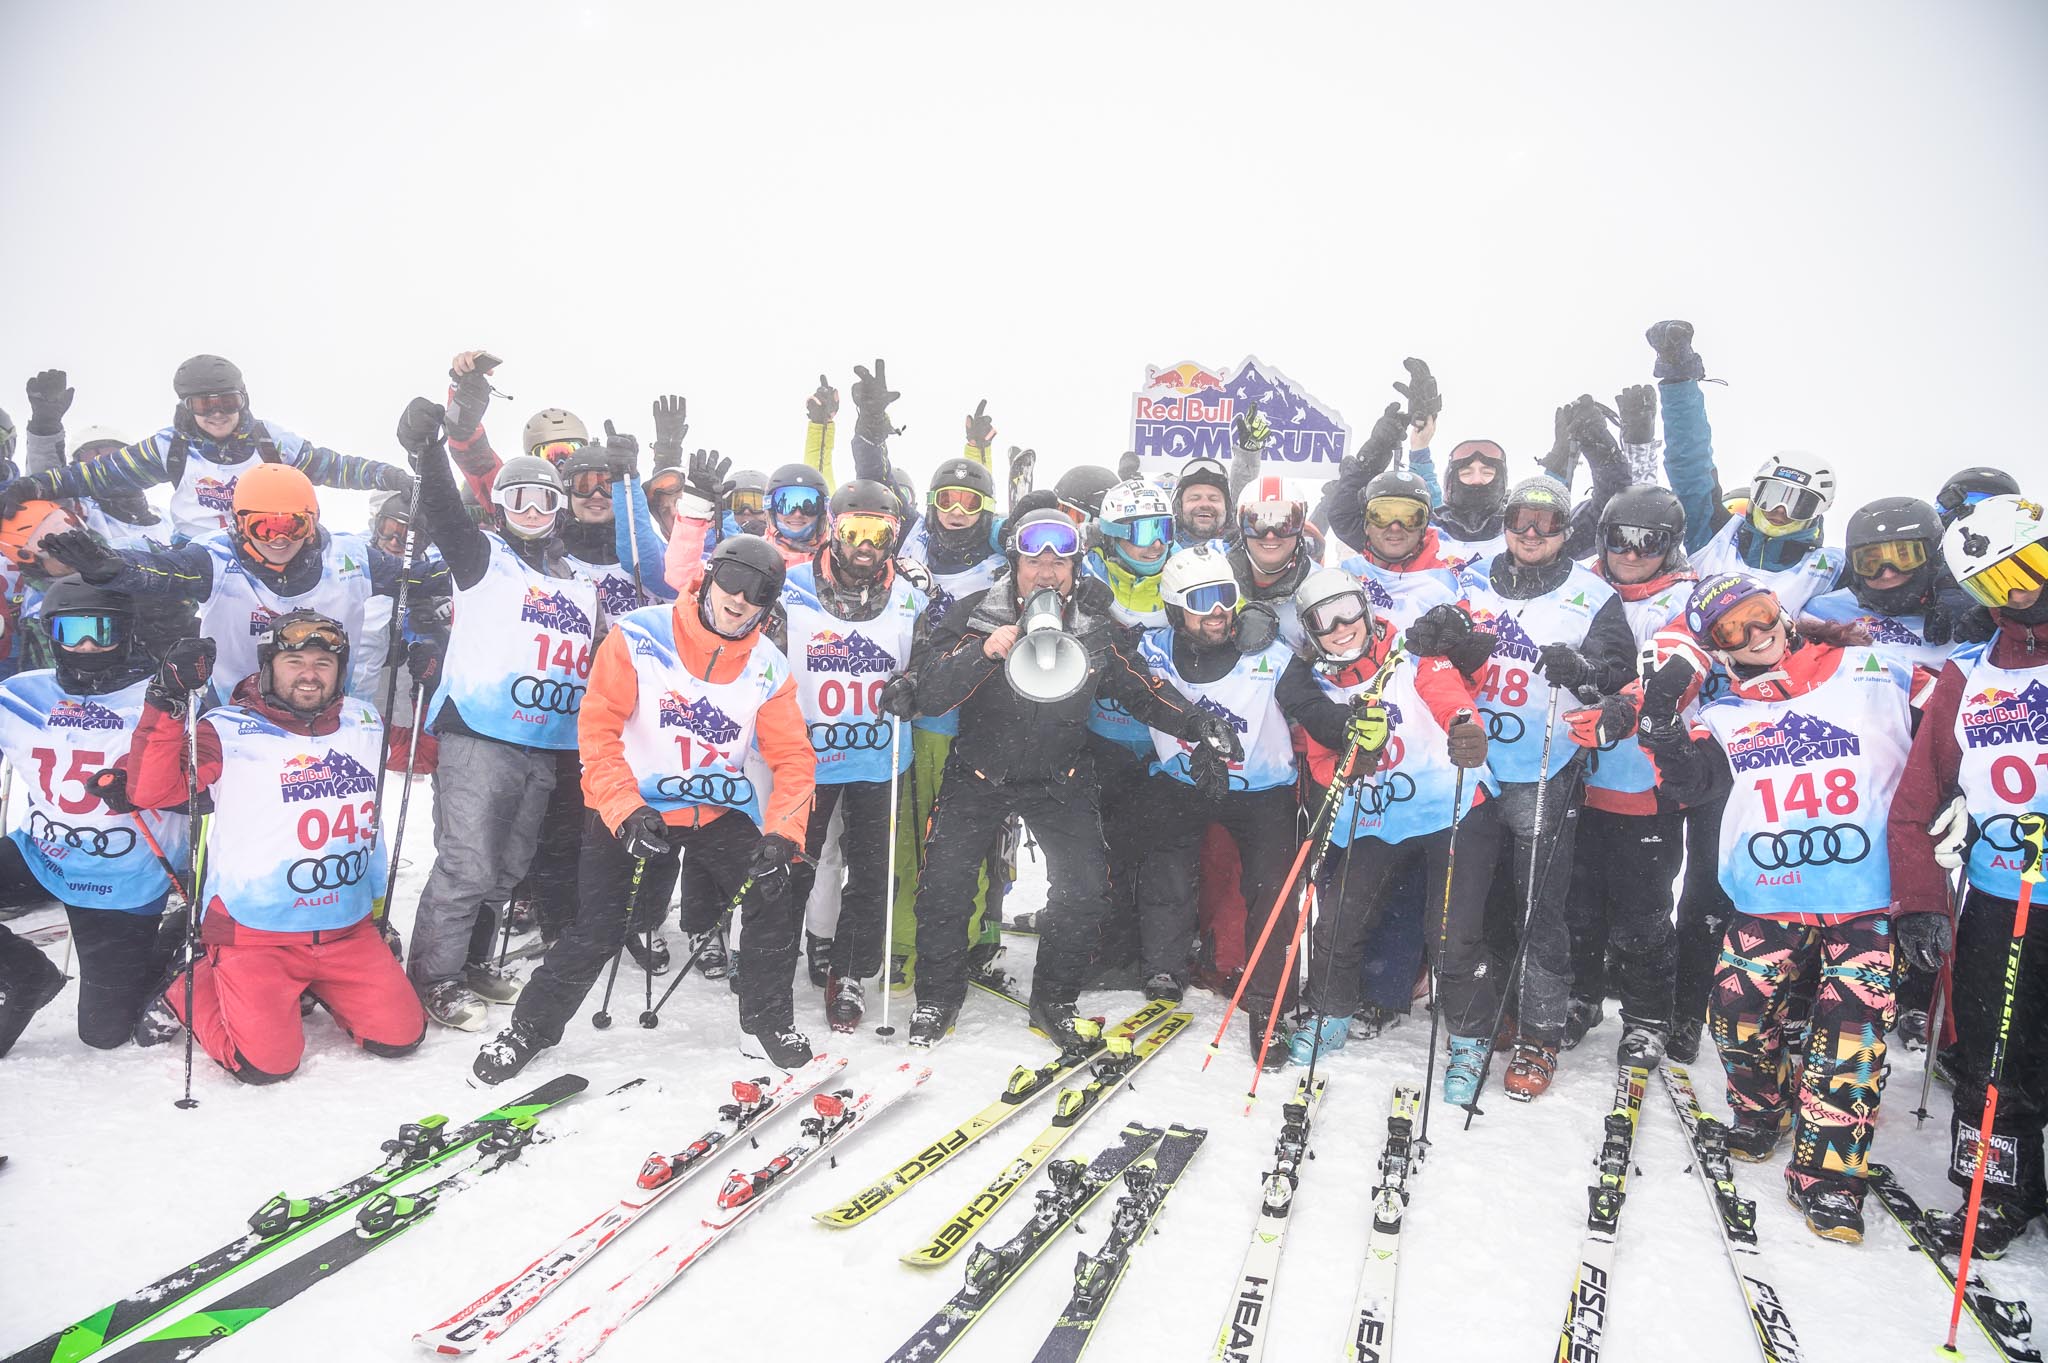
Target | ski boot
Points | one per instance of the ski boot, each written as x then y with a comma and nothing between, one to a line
902,974
1683,1042
1278,1051
1063,1025
1642,1046
452,1004
714,958
1912,1029
931,1024
492,984
1754,1136
1309,1042
1580,1017
782,1046
1024,924
649,952
817,957
30,982
1461,1071
1165,987
845,1000
982,969
1831,1212
508,1054
1999,1223
1373,1018
1530,1070
159,1021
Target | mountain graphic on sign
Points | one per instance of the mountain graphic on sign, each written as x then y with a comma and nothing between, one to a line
553,610
1280,402
699,716
1793,741
1379,596
830,651
1995,717
1885,630
1226,716
83,714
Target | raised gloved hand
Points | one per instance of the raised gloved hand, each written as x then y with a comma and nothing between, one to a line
1924,938
645,834
1424,401
772,856
18,494
621,453
1637,405
671,424
898,697
1564,666
706,476
1250,430
1128,465
1466,741
1209,770
1595,726
391,478
871,398
420,426
1215,733
423,659
85,554
1376,452
1368,728
1951,833
1592,431
110,786
1676,359
1563,459
49,398
981,427
186,667
823,405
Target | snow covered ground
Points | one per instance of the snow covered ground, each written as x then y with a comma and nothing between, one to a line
109,1186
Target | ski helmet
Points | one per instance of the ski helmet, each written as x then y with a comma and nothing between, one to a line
527,471
582,462
1081,487
1203,471
1897,532
206,374
1196,582
1476,501
1645,516
100,615
301,631
1270,504
275,504
1327,596
966,473
552,425
750,568
864,511
2000,548
749,495
93,442
1136,513
18,530
1796,485
1973,485
795,489
1715,598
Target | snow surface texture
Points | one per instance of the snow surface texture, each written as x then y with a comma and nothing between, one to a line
108,1186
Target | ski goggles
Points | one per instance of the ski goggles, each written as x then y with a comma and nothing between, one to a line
1271,520
1643,541
525,497
1062,539
964,500
1140,532
590,482
1383,513
69,631
214,404
1535,520
555,451
1202,464
748,583
1796,503
2023,571
1207,599
275,527
1337,612
1955,499
294,636
1868,560
748,501
1751,615
857,528
796,500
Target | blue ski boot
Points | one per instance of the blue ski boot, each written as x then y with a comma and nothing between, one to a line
1461,1071
1302,1047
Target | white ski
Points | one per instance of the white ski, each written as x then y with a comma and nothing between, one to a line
1243,1336
1586,1311
1372,1311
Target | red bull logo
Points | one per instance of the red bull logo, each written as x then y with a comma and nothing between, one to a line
1185,377
83,714
216,494
1995,717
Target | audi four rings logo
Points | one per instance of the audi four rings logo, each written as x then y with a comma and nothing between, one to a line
1384,794
834,736
1842,844
330,872
94,842
710,789
545,693
1503,726
2001,833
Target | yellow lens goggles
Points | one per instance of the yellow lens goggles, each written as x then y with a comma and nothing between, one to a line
1868,560
857,528
1383,512
2025,571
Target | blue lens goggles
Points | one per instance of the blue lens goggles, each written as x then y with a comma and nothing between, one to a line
1061,538
69,631
1216,596
1141,532
796,501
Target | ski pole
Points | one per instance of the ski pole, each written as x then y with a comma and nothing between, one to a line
602,1018
161,859
1934,1014
1443,935
2032,828
412,753
652,1017
392,634
188,1102
1316,1002
1513,977
885,1031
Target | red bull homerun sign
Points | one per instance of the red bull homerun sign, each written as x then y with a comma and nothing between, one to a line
1185,410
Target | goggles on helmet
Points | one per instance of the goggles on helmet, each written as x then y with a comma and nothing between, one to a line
275,527
796,500
1796,502
1270,520
1955,498
1382,513
1535,520
294,635
1208,598
1868,560
2025,571
857,528
1641,540
1062,539
524,497
965,500
1140,532
1337,612
214,404
69,631
748,583
1749,616
555,451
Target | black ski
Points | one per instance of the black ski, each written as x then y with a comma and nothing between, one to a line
2005,1321
1587,1310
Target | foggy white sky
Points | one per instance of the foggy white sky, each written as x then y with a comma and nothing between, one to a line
1030,203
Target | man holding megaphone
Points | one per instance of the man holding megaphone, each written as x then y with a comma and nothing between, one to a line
1022,748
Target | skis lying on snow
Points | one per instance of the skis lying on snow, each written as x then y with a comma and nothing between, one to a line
833,1117
1243,1336
1111,1071
1585,1312
1074,1188
1096,1275
1372,1311
1736,1216
495,1312
2005,1321
1024,1086
282,1220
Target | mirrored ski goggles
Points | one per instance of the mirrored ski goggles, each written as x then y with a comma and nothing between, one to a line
1201,464
1795,502
294,635
1140,532
1868,560
1640,540
1535,520
1208,598
1955,499
1062,539
555,451
69,631
748,501
2025,571
796,501
748,583
214,404
964,500
590,482
1383,513
1337,612
1271,520
1749,616
525,497
857,528
275,527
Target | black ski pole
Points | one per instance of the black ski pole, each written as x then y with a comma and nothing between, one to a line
393,633
1443,935
602,1018
412,753
652,1016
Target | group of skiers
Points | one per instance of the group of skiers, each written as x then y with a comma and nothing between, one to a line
1656,743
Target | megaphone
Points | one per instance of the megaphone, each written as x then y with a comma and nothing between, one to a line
1047,664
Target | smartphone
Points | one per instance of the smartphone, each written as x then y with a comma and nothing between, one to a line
486,361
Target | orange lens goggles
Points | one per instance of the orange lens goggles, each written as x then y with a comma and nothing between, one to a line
1745,618
555,451
274,527
962,499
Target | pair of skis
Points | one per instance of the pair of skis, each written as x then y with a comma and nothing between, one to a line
1243,1336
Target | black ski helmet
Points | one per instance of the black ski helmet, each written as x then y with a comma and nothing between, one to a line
965,473
75,596
1082,486
584,459
1973,485
1476,501
203,374
748,566
863,496
1403,483
1648,506
1888,520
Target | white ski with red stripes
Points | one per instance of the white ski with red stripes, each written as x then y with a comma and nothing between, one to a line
833,1117
496,1311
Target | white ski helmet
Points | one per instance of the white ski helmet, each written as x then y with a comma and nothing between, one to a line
1325,587
1136,512
1999,547
1270,500
92,437
1793,482
1198,581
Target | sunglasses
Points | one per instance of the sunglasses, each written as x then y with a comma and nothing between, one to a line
1207,599
1270,520
1140,532
1526,520
857,528
275,527
1336,613
69,631
1868,560
524,497
796,501
1798,503
748,583
1385,512
555,451
214,404
590,483
1756,614
962,499
1062,539
1639,540
2025,571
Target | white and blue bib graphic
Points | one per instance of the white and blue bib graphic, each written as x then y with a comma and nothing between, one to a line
841,667
1246,698
1514,697
519,653
2002,729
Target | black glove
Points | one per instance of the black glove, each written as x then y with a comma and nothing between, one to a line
419,427
981,427
48,400
1127,465
110,785
1637,405
1250,430
1676,359
467,404
1592,436
823,405
1376,452
423,658
1662,733
1956,618
871,398
1424,401
17,494
671,424
898,697
1092,596
1439,630
1563,457
645,834
1924,939
706,476
621,453
1564,666
391,478
87,555
773,856
1217,734
187,666
1209,770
